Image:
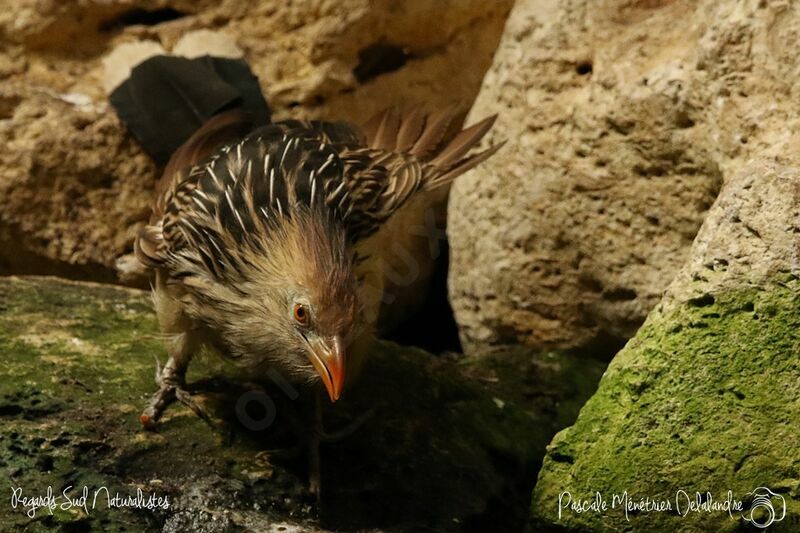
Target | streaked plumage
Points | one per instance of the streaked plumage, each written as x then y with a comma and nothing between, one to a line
287,204
244,188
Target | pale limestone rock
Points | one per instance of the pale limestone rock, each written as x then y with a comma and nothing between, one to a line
624,118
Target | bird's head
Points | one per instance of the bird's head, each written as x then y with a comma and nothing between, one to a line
293,303
320,331
316,303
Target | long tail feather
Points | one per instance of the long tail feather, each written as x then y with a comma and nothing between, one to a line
463,143
464,165
437,125
411,127
435,142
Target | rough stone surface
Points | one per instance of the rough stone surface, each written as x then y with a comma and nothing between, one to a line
454,443
706,397
75,187
623,119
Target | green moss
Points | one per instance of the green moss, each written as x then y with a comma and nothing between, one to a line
453,444
67,383
706,397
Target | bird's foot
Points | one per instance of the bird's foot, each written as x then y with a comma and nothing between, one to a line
171,387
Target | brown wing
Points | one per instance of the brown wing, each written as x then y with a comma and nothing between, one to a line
223,128
295,146
378,170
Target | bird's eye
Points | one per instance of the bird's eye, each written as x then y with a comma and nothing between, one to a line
300,314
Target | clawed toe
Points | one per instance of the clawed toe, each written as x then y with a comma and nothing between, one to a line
186,399
155,408
163,398
170,388
314,485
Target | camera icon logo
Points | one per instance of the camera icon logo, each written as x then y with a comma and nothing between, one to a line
766,508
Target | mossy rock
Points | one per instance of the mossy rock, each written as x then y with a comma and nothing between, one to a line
454,444
705,398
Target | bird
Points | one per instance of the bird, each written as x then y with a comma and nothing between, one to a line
262,238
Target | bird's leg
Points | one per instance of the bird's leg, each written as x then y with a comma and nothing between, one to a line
318,435
314,484
171,381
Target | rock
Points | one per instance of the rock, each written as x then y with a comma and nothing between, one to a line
76,188
117,65
623,120
706,397
454,443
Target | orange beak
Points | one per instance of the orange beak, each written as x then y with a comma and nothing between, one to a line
328,361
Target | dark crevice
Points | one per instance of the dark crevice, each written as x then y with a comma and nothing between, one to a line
620,294
591,283
702,301
45,463
8,104
603,347
433,327
142,17
584,67
10,410
683,120
379,58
